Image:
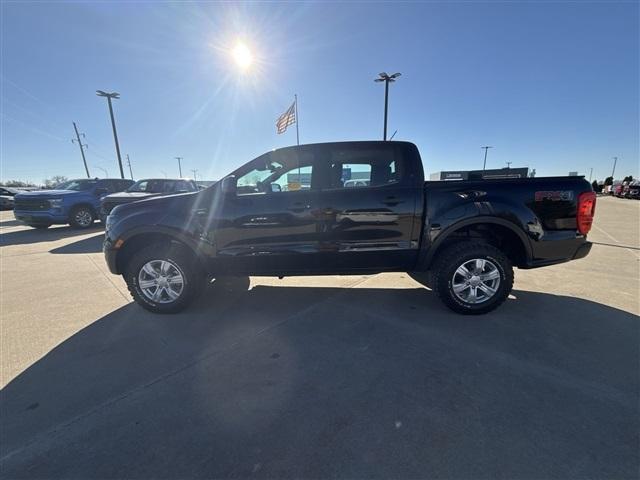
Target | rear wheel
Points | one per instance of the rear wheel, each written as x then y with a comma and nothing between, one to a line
472,278
164,278
81,217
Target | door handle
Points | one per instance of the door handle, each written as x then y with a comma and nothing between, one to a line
299,207
391,201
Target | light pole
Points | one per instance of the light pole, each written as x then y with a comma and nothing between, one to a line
194,174
179,165
129,164
486,149
81,145
384,77
615,160
590,174
508,165
109,96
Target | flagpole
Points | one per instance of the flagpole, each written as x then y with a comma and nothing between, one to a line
295,96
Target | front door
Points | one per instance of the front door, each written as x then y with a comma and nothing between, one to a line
267,226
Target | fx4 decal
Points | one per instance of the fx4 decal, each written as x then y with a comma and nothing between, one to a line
554,196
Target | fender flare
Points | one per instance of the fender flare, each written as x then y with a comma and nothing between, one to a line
171,234
445,234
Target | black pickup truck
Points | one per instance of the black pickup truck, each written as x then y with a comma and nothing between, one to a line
349,208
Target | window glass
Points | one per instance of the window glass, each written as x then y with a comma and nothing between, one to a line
281,171
76,185
292,180
361,168
139,186
179,186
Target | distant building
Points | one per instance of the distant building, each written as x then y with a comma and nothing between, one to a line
518,172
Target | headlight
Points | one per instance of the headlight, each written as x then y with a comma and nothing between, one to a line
55,203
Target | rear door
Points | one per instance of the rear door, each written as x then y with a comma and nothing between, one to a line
366,207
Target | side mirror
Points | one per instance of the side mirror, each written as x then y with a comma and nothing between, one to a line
276,187
229,185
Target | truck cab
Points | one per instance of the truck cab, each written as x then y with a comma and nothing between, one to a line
75,202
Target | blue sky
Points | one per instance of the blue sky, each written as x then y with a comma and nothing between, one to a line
551,85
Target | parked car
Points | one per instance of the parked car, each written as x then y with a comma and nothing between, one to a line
617,189
76,202
149,187
9,191
633,190
6,202
462,238
356,183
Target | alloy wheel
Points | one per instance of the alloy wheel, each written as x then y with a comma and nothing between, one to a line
83,218
476,281
161,281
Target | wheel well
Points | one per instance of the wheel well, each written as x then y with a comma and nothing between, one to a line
88,205
501,237
136,243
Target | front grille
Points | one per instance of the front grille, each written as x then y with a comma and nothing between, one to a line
31,205
107,207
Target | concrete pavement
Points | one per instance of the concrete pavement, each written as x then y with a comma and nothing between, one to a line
318,376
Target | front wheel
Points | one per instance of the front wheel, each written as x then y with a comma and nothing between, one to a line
81,217
472,278
163,278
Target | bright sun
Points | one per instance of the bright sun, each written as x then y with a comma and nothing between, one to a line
242,56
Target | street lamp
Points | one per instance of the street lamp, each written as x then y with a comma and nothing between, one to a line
109,96
179,165
384,77
486,149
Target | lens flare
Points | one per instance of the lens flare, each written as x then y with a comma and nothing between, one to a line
242,56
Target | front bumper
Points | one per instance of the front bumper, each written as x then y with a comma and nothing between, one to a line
110,255
39,217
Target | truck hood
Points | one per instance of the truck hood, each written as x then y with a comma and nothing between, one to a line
129,196
50,193
163,202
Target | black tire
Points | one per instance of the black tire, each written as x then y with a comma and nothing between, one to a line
40,226
82,217
452,258
183,261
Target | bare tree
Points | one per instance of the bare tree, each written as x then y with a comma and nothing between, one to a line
53,181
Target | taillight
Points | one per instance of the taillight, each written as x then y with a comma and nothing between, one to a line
586,210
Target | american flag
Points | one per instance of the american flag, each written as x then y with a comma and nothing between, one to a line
286,119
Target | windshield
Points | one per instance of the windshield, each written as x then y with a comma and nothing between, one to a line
161,186
76,185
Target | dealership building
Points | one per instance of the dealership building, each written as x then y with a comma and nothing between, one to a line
452,175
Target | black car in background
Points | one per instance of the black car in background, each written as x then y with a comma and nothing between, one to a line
146,188
6,197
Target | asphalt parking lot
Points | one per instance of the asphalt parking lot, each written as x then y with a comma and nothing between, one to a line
318,377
